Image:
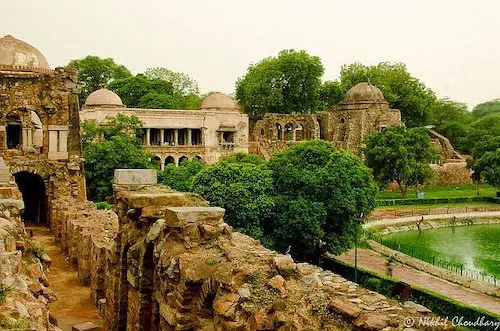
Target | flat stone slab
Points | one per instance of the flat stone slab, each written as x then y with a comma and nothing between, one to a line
88,326
181,216
135,177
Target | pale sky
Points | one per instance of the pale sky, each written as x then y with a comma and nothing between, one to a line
452,46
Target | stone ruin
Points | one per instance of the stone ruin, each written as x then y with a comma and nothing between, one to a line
167,261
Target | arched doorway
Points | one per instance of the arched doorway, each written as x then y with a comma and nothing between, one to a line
32,188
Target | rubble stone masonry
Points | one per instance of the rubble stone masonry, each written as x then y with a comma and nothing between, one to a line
167,261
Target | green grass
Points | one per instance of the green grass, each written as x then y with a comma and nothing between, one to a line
440,205
451,191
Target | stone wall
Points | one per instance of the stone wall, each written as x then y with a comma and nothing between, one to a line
23,283
167,261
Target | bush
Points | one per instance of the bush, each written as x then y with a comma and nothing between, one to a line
4,291
373,284
104,205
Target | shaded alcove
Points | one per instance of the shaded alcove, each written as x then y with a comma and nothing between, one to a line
32,188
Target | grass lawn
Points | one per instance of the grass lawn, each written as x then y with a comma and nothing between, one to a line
452,191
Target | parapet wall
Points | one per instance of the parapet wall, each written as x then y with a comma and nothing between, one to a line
167,261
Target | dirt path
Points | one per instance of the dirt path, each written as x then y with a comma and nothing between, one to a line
74,305
403,220
371,260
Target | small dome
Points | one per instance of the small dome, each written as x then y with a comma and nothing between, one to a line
363,93
16,55
103,98
218,100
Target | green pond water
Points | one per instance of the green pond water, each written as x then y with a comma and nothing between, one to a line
476,247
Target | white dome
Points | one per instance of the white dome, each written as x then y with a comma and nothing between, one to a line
219,100
103,98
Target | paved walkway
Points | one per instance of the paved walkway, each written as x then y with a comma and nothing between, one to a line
371,260
402,220
73,305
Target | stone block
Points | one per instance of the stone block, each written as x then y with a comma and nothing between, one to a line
88,326
135,177
345,308
181,216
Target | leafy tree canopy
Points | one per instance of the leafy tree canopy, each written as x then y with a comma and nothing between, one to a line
111,147
284,84
132,89
243,189
315,171
400,88
95,73
488,167
330,94
181,82
244,158
181,177
486,108
401,155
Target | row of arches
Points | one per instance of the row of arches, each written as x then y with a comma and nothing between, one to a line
163,161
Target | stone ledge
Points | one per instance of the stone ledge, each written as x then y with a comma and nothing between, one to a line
181,216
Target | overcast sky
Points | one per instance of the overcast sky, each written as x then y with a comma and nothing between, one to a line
452,46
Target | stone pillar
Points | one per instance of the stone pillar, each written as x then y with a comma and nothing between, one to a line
294,135
162,160
189,140
24,138
148,136
176,137
29,142
162,136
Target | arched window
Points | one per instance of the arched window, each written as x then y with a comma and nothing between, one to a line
262,132
279,131
169,160
289,132
197,158
182,159
14,131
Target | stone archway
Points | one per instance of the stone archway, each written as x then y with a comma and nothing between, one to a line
32,187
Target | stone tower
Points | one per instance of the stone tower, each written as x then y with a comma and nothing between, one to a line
39,127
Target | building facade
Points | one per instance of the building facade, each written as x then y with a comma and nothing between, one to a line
364,110
39,127
218,129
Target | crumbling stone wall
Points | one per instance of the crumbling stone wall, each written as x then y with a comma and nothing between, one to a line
346,125
167,261
22,274
45,104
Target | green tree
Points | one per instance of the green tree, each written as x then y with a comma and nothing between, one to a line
181,82
401,155
243,189
488,167
452,119
95,72
486,108
328,179
111,147
181,177
400,88
298,223
241,157
330,94
284,84
134,90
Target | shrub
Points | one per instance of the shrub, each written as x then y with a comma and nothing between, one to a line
104,205
373,284
4,291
